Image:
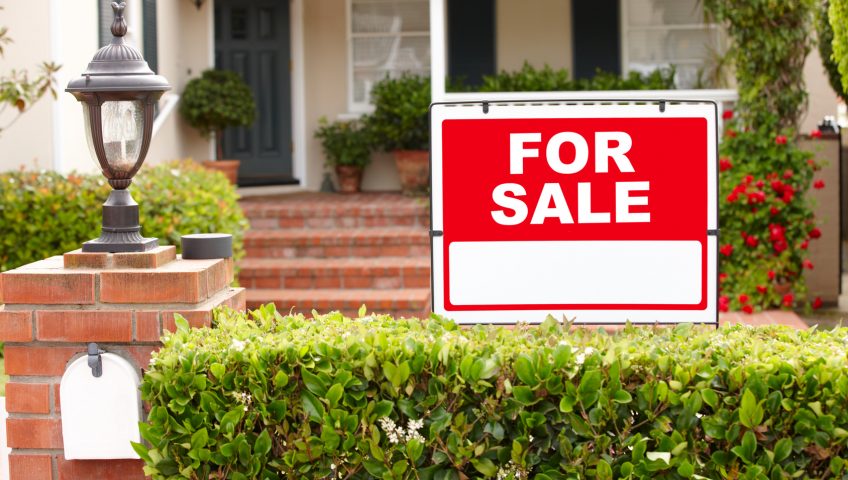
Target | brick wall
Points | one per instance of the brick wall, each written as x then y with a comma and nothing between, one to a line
54,307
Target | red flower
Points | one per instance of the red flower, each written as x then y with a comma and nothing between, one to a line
732,197
805,244
726,250
819,184
815,233
760,184
777,186
748,309
780,246
775,210
722,307
808,264
787,174
722,277
730,132
776,232
788,194
762,289
815,133
788,300
724,165
780,140
722,300
756,197
748,179
771,274
728,114
743,298
817,303
751,241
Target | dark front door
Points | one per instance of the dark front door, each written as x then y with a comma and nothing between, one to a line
252,38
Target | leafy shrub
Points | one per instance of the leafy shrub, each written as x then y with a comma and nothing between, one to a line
530,79
215,101
44,213
345,142
401,113
838,16
766,220
825,43
271,397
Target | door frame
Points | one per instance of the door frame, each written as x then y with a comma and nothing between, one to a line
297,77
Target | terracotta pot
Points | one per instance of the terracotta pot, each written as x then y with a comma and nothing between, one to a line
414,170
350,178
782,288
228,167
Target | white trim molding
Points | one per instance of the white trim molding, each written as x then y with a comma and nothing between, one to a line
298,93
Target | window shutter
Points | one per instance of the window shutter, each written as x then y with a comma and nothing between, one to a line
104,24
150,41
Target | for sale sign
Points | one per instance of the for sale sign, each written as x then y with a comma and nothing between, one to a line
606,213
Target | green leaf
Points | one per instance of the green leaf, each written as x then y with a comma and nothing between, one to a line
622,396
603,471
281,379
217,370
485,466
414,449
313,383
263,443
313,408
199,439
525,371
686,469
524,395
750,412
334,394
589,388
710,397
181,323
782,450
747,448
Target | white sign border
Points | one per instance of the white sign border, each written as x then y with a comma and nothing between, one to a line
439,112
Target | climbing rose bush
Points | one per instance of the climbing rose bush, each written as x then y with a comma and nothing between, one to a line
267,396
766,218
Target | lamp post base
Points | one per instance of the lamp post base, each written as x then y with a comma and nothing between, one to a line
121,232
110,246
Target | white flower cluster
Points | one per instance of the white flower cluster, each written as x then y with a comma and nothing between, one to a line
244,398
581,356
238,345
512,472
398,434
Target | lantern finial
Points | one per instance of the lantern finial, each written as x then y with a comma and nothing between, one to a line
119,26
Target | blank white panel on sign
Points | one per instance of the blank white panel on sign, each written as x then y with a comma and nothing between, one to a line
575,272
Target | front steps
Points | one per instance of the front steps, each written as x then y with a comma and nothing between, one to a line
337,252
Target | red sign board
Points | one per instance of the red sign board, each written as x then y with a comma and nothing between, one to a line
600,212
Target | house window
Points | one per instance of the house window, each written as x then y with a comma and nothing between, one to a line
662,33
385,38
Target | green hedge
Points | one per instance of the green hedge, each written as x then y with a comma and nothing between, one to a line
44,213
267,396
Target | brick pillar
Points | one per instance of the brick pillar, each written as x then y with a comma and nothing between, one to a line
54,307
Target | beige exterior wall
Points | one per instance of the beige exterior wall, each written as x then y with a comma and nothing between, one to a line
536,31
186,48
29,141
326,88
822,100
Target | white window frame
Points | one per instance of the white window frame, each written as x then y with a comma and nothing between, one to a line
624,29
366,107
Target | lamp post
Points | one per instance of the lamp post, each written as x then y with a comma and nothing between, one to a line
118,92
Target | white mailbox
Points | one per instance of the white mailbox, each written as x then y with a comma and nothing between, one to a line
100,415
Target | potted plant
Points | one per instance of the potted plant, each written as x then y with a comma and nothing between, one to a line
217,100
400,124
347,147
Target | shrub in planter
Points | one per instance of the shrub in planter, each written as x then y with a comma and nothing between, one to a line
272,397
401,124
215,101
44,213
347,148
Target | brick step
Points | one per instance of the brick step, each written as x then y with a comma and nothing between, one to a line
335,243
347,273
410,302
315,210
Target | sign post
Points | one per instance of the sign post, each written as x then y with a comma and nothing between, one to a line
601,212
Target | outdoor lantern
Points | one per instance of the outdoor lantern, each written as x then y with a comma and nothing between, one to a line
119,92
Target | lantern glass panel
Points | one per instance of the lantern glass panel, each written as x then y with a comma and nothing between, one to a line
122,123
